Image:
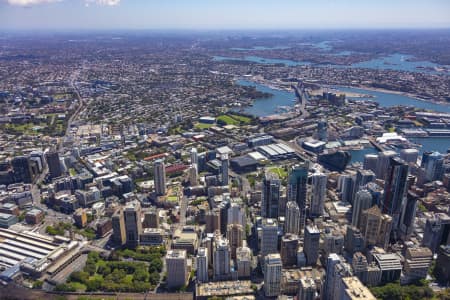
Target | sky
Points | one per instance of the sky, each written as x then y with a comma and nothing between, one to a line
222,14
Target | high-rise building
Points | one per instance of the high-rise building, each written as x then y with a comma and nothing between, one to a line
272,275
297,188
362,202
235,236
292,218
322,130
269,237
395,190
176,264
353,289
22,169
212,219
202,264
390,266
360,266
54,164
408,215
270,195
159,170
383,163
362,178
437,231
311,244
221,259
434,166
151,218
333,241
354,240
236,214
118,224
193,175
318,194
442,270
133,225
244,262
223,210
307,290
346,183
375,227
336,269
224,168
409,155
288,250
417,263
194,157
370,162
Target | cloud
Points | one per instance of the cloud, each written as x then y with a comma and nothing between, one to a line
103,2
30,2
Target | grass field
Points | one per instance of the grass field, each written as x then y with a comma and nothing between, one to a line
281,172
203,125
233,119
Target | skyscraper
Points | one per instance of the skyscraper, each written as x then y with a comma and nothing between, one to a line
133,225
437,231
370,162
236,214
434,166
318,193
235,236
202,264
269,237
322,130
224,169
409,155
193,175
176,263
270,195
159,170
194,157
221,259
383,163
363,201
332,260
292,219
54,165
311,244
244,262
362,178
22,169
288,249
408,215
375,227
346,187
297,188
118,225
395,190
272,275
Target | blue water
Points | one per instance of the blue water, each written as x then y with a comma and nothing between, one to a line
387,99
440,144
358,155
267,106
262,60
397,62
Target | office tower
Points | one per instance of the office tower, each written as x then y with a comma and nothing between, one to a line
434,166
54,164
322,130
333,241
376,191
288,250
383,163
437,231
352,288
133,225
151,218
202,264
318,194
417,263
235,236
236,214
332,260
269,236
194,157
176,264
270,195
311,244
22,169
442,269
362,202
395,190
159,170
212,219
360,266
193,175
244,262
292,219
409,155
223,210
118,225
272,275
425,156
221,260
408,215
375,227
354,240
297,188
370,162
346,187
307,290
224,169
362,178
390,265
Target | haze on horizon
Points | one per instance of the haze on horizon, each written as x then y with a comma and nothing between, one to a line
222,14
